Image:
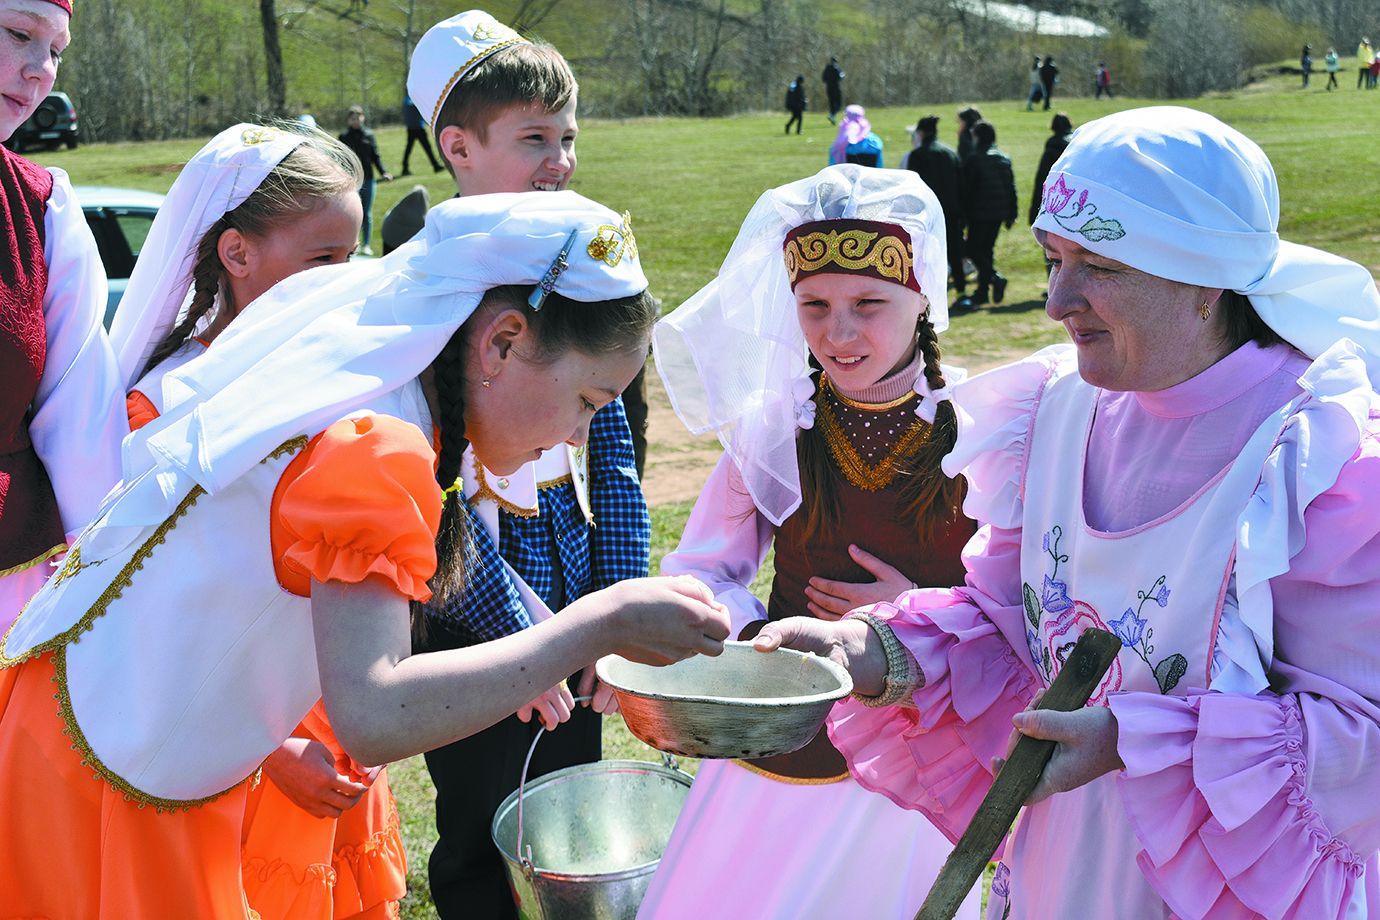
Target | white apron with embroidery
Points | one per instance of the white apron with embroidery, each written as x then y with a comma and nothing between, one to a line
1160,588
182,660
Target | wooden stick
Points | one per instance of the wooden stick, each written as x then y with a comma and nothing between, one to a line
1072,687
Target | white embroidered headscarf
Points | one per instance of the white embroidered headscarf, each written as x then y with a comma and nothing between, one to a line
216,180
321,343
733,357
1177,194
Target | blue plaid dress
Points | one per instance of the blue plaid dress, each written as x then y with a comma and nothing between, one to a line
557,553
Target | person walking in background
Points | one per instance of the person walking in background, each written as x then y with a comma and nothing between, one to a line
833,85
938,165
989,202
795,103
1061,132
1365,56
416,134
856,142
1333,65
1037,87
967,117
364,145
1048,74
1306,63
1103,80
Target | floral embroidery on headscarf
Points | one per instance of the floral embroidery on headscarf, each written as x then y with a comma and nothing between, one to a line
1060,205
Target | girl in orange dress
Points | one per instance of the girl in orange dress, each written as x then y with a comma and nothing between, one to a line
286,506
252,207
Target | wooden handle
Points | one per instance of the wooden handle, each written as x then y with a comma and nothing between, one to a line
1072,687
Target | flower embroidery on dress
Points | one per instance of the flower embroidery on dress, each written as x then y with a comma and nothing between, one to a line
1135,634
1001,888
1060,205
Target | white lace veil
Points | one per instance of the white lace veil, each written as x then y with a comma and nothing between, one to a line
733,357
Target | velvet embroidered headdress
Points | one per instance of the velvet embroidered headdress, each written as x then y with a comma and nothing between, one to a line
449,50
1177,194
733,357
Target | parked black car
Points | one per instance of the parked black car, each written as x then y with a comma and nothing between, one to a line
52,124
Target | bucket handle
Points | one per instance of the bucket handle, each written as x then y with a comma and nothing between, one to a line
524,857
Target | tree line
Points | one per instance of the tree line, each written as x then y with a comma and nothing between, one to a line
144,69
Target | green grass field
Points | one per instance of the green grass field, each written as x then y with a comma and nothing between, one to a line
688,184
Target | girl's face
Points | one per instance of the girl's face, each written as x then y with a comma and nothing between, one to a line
33,34
326,235
532,404
860,330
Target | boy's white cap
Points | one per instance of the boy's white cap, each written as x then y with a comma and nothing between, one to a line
449,50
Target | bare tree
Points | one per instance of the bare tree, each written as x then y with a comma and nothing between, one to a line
273,57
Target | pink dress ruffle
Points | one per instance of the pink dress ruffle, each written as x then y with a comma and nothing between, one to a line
936,757
1214,786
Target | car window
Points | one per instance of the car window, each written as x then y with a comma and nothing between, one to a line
134,226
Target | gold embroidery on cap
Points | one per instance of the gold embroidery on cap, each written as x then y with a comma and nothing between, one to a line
851,249
252,136
466,67
491,30
611,243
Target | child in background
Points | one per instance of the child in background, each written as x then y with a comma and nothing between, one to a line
503,113
252,207
827,310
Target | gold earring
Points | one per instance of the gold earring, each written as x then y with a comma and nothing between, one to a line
1204,311
484,383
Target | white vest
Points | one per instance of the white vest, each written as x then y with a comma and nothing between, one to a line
182,663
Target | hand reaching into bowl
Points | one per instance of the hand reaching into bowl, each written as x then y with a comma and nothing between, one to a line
659,621
849,642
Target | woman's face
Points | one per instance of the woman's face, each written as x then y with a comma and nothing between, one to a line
1133,331
33,34
325,235
532,404
860,329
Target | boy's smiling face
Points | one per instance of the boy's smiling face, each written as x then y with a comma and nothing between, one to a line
525,149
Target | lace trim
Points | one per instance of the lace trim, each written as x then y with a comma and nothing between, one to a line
37,560
870,477
58,644
126,574
485,492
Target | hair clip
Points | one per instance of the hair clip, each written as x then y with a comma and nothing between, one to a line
548,280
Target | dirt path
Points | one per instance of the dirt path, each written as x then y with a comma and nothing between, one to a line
678,463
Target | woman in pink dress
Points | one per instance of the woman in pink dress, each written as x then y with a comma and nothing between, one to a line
61,415
1197,474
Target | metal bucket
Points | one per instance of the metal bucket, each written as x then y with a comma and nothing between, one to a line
582,843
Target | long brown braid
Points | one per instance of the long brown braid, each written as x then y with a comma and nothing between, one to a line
454,544
930,498
206,282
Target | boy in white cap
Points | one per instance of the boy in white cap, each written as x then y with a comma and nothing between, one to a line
502,109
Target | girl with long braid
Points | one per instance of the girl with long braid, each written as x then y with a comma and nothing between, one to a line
814,355
275,528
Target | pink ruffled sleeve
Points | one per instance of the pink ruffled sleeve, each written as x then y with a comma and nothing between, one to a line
361,500
1267,805
935,756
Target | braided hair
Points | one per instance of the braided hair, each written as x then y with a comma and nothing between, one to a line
928,497
594,328
206,283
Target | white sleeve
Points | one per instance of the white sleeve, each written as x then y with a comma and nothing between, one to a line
79,415
724,544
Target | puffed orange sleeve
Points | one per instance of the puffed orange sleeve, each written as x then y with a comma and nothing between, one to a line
140,409
361,499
